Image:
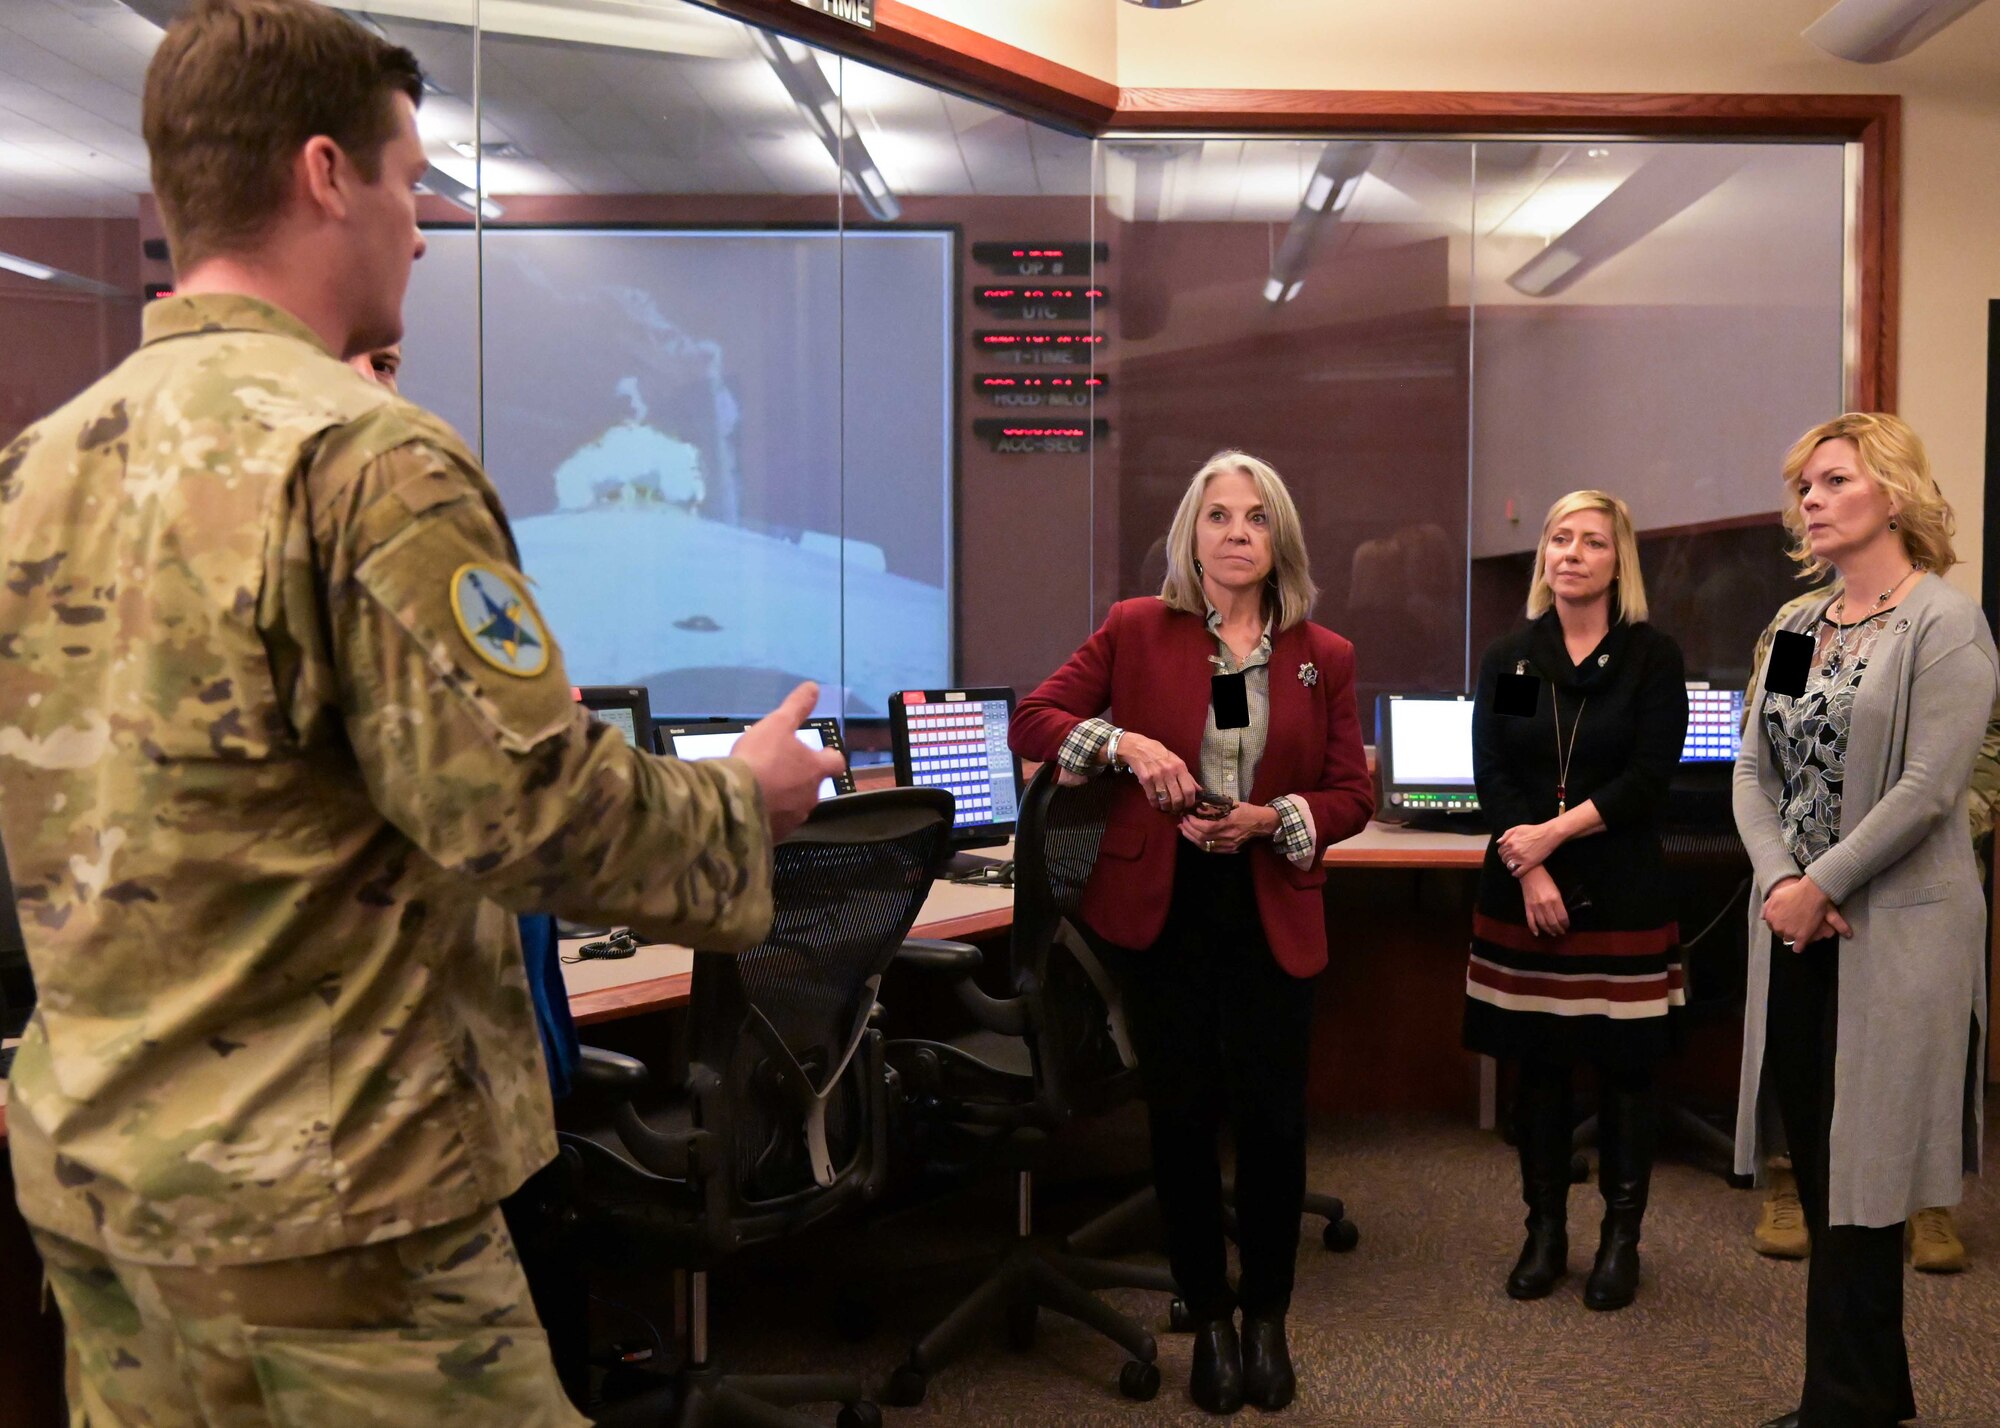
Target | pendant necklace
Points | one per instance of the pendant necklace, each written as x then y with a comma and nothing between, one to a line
1838,655
1563,755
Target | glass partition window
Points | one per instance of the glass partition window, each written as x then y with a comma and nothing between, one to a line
787,367
1433,339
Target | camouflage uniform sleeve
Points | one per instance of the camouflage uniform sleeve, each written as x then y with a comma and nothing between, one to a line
460,714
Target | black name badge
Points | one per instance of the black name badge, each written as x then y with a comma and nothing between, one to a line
1231,701
1791,658
1517,695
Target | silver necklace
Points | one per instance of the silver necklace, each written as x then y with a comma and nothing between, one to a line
1839,656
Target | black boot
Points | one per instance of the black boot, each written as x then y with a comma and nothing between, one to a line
1542,1130
1624,1172
1216,1381
1268,1379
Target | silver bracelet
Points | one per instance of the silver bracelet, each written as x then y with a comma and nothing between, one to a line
1111,748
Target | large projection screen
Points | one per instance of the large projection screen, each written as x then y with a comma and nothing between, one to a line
718,485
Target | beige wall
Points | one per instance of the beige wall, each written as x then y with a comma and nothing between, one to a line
1951,91
1082,34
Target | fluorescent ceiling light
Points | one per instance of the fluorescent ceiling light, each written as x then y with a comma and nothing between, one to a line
1549,266
58,277
25,268
1330,190
490,150
437,181
1871,31
1657,190
797,68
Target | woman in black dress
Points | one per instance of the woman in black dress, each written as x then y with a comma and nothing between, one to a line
1577,726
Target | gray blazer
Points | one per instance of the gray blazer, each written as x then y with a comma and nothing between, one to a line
1907,1090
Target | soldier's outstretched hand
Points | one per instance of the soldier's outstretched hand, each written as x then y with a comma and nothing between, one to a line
787,771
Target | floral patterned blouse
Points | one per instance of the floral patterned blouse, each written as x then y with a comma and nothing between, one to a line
1809,734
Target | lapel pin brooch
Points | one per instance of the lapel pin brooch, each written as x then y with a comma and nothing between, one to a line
1603,660
1308,674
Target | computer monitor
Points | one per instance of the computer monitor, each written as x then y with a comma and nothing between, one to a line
1423,756
956,739
1715,724
715,738
625,707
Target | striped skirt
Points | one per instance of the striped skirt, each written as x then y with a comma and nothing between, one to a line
1603,996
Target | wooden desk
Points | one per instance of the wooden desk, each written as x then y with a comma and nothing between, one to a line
658,978
1390,845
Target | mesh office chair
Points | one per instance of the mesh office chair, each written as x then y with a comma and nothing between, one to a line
1047,1051
782,1119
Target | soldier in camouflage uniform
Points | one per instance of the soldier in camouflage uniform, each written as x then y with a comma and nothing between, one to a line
1935,1246
282,738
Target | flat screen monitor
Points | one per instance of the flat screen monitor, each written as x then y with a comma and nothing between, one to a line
1715,725
716,738
624,707
718,488
1423,754
956,739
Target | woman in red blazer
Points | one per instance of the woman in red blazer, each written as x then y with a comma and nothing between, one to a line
1229,721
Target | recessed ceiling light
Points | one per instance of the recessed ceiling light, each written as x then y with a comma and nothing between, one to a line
498,149
1597,153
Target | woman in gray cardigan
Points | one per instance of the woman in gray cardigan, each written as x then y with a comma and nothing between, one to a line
1864,1016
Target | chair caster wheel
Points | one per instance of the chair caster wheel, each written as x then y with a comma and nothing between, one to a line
859,1415
1178,1318
1021,1326
1579,1168
1340,1236
906,1387
1139,1381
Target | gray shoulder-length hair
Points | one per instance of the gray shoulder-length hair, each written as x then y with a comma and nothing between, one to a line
1289,593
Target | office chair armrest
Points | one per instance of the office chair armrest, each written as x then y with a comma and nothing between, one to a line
959,960
611,1071
955,959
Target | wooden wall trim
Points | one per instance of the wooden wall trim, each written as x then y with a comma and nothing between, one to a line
1498,112
919,44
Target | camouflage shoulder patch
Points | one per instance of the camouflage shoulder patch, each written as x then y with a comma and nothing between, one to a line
498,620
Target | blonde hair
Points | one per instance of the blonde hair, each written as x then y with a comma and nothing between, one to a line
1289,593
1893,457
1630,584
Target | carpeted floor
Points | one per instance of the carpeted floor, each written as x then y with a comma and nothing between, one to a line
1412,1329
